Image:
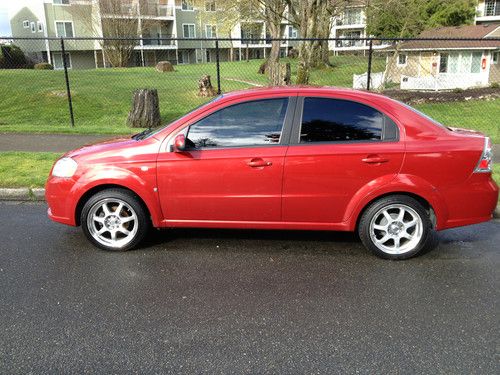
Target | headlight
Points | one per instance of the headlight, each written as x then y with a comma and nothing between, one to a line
65,167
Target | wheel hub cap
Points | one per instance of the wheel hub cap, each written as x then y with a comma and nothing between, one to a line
395,227
112,222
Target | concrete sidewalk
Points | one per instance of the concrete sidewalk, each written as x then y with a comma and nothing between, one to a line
67,142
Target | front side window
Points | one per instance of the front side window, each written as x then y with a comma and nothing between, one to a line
256,123
64,29
496,57
61,2
188,30
334,120
492,8
33,27
475,66
26,24
292,32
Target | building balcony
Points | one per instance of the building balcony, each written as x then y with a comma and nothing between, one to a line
167,41
154,10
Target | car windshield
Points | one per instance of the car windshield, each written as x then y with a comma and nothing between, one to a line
152,132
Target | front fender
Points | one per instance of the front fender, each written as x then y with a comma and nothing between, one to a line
139,179
401,183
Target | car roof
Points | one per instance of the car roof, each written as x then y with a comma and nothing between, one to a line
301,90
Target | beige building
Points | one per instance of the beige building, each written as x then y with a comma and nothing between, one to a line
447,64
488,11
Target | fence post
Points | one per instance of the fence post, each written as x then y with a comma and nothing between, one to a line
217,62
66,77
369,74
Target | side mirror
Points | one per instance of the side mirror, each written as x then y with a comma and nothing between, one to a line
180,143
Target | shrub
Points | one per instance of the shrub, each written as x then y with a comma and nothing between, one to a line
43,66
495,85
12,57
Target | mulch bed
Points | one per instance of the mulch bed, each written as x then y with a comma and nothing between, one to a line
419,97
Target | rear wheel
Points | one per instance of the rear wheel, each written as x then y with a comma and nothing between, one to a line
396,227
114,219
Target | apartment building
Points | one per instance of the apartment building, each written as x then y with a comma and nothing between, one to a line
487,12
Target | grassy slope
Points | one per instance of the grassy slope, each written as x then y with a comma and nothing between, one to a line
35,101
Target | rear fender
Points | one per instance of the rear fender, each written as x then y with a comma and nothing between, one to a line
399,184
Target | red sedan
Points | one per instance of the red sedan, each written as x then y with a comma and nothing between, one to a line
282,158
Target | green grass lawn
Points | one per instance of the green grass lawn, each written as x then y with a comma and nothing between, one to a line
35,101
31,169
25,169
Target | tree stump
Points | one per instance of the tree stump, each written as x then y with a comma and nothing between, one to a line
205,88
263,67
164,66
145,111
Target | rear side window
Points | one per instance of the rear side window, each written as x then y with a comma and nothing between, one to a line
335,120
254,123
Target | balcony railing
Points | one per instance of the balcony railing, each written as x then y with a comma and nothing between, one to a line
159,40
156,10
349,43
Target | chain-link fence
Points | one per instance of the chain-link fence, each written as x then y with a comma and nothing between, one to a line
86,84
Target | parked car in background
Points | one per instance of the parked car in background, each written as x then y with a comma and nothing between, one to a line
282,158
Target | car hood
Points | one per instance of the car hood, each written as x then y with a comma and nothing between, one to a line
115,149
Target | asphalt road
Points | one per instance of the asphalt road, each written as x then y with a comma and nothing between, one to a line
211,301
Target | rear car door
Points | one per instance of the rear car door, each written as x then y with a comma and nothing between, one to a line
232,169
337,147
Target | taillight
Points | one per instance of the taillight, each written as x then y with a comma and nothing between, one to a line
486,161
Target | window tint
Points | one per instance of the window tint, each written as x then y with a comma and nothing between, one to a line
246,124
332,120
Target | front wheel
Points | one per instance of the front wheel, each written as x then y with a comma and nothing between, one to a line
396,227
114,219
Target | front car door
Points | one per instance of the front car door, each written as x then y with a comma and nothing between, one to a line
338,148
233,167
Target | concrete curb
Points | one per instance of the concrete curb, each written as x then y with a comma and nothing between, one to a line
38,194
22,194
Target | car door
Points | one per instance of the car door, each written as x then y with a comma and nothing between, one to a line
232,169
337,148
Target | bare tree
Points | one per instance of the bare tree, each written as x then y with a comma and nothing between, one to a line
121,27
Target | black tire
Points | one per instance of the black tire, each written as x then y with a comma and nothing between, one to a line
131,205
427,237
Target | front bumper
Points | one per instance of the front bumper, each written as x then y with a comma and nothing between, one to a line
61,199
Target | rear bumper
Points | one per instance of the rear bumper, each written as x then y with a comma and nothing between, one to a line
471,203
60,197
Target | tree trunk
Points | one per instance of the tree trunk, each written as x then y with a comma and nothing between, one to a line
205,87
280,74
145,111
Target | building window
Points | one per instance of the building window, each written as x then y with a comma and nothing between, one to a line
492,8
475,65
26,24
353,16
39,26
64,29
292,32
402,58
496,57
186,5
211,31
188,30
58,61
210,5
443,63
33,27
61,2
